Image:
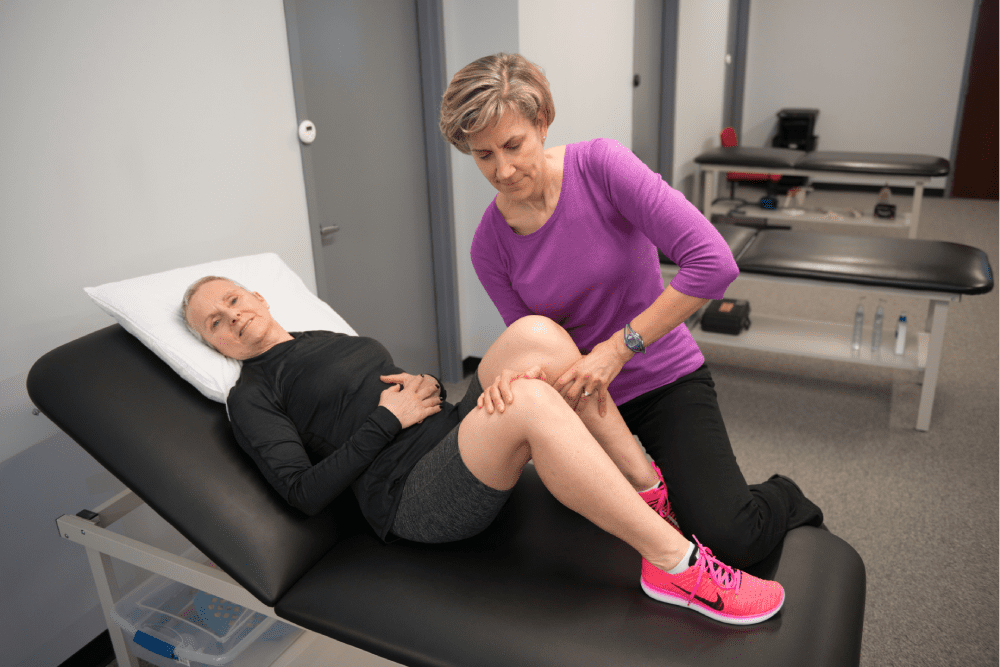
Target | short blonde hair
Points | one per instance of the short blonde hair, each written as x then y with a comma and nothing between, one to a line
483,90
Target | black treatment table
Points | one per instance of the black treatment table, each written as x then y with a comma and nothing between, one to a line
912,170
540,587
937,271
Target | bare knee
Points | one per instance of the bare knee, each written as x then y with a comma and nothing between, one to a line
536,396
537,405
545,336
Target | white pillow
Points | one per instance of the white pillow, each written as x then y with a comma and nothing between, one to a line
149,307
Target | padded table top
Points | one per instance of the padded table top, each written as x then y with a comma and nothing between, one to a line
175,449
890,164
858,162
917,264
750,156
541,586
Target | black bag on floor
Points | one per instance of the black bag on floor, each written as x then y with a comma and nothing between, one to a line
728,316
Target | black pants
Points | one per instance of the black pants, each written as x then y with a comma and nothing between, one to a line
681,427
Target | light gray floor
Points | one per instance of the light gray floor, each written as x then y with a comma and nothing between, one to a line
920,508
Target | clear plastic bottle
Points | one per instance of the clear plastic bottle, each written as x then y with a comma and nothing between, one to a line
859,323
877,329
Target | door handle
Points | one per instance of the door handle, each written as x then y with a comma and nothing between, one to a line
329,230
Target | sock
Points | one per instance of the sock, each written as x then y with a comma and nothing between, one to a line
687,561
655,486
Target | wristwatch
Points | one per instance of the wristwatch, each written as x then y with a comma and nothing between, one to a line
633,341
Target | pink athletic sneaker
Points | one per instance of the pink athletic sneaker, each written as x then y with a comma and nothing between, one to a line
657,499
715,590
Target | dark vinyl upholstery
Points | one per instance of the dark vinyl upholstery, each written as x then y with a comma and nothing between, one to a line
891,164
541,586
544,587
749,156
936,266
174,448
858,162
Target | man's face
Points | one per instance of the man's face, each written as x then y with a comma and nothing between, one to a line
234,321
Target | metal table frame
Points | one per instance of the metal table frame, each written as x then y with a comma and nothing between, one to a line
832,341
909,220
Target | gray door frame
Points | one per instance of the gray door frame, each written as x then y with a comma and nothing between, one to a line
736,65
430,36
668,88
430,39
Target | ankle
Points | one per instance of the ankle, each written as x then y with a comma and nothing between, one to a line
645,480
675,559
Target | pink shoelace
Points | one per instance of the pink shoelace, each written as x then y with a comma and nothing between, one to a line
723,575
662,505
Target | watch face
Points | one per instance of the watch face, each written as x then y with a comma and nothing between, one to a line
633,341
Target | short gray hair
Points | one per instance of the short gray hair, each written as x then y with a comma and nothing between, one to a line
484,89
189,294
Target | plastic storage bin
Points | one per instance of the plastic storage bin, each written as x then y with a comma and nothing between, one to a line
167,623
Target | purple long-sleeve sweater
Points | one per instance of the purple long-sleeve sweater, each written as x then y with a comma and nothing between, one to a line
593,265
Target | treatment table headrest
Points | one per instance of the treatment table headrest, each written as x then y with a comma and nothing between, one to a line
175,449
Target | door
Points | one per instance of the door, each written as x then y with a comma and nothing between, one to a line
975,163
356,72
646,82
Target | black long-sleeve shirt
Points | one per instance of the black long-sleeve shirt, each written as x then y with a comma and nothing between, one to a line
307,412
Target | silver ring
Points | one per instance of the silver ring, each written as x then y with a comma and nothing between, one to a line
586,393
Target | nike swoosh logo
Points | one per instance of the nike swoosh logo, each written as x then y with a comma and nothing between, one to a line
718,605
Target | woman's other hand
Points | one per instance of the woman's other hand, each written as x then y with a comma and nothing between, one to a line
411,398
589,377
498,395
401,378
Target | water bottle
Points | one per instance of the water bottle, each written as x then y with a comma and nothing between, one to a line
901,334
877,330
859,322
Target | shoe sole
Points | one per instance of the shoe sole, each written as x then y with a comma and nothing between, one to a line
728,619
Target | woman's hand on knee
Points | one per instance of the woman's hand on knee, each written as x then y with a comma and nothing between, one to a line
412,400
589,378
498,395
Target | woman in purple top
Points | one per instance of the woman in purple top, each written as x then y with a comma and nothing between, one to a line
573,235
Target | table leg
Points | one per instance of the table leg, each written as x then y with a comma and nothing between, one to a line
107,591
918,196
937,317
711,176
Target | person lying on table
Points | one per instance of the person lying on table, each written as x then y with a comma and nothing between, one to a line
573,235
320,412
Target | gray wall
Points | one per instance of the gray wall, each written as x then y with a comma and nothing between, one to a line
473,30
134,138
886,76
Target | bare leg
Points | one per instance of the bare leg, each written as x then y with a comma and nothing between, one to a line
538,341
539,425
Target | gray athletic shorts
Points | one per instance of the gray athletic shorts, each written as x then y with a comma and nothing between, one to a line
442,500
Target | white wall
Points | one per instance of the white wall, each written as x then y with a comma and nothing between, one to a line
886,76
473,30
701,72
135,137
585,49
